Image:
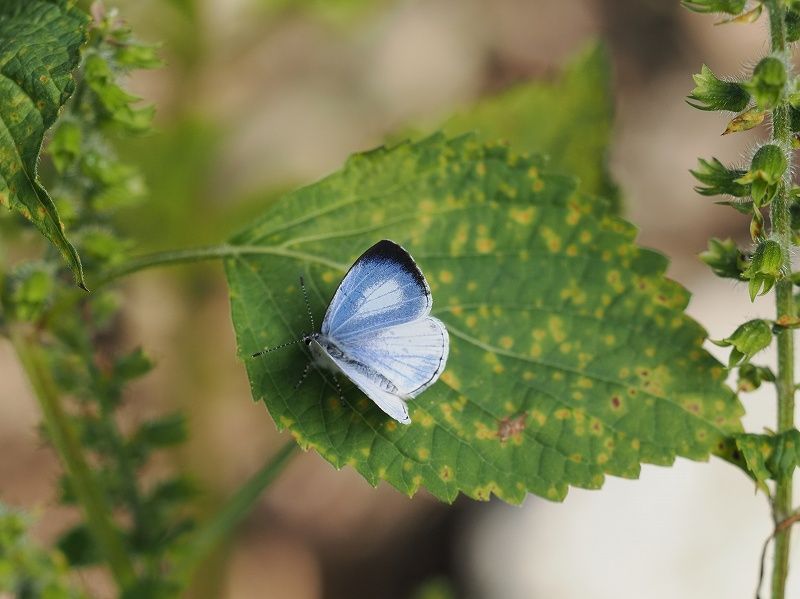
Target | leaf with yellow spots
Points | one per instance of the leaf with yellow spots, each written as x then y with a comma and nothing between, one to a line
567,118
40,43
564,366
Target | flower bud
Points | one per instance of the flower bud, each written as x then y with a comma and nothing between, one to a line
767,83
747,340
765,267
28,290
724,258
717,179
712,93
766,171
751,377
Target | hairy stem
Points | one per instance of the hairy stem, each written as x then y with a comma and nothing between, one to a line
65,440
781,229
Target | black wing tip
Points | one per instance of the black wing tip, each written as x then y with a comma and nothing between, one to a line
386,249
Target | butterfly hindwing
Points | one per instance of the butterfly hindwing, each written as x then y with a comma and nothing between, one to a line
410,355
383,288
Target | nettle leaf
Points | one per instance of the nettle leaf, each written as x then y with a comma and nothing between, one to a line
40,44
570,355
569,119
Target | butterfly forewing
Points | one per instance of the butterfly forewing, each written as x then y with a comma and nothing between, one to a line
383,288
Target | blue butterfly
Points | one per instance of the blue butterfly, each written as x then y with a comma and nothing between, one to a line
378,330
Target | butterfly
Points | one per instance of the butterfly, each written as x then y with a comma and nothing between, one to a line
378,330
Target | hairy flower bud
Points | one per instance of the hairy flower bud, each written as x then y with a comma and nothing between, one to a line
717,179
724,258
747,340
766,170
767,83
765,267
712,93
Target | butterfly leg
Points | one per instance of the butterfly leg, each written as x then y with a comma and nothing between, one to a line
303,376
338,388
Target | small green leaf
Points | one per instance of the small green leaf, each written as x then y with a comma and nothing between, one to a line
162,432
717,179
570,354
747,340
40,43
712,93
117,103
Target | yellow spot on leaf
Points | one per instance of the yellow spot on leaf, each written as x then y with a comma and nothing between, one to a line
484,245
506,342
446,276
451,380
523,216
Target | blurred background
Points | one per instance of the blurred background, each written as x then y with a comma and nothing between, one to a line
259,96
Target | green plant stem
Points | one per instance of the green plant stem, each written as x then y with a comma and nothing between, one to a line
781,228
212,533
214,252
65,440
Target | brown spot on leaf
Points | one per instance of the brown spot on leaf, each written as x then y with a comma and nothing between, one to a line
508,427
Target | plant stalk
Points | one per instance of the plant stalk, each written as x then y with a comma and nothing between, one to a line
781,228
210,534
67,444
200,254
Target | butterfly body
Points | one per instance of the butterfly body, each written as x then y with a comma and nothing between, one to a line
378,331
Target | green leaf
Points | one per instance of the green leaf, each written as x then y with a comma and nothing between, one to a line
769,456
568,119
115,101
570,354
40,44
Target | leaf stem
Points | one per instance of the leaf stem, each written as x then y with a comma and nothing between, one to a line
66,442
781,229
213,532
214,252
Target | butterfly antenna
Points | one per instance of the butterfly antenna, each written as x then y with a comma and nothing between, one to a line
308,304
271,349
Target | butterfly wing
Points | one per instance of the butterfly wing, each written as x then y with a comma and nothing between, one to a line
375,386
383,288
411,355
